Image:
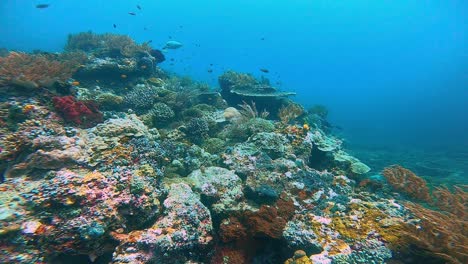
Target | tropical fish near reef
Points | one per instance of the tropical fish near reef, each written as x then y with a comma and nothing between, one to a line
132,13
172,44
264,70
42,6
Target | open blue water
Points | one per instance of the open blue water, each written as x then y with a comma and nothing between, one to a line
394,74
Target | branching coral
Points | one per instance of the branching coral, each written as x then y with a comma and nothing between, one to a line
452,202
32,71
443,235
405,181
290,112
439,234
111,45
249,111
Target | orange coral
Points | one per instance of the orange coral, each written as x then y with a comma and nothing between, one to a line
405,181
443,235
232,230
31,71
229,255
265,222
452,202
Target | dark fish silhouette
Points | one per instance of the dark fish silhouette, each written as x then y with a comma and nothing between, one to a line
158,55
145,28
42,6
132,13
114,25
262,39
139,7
210,71
264,70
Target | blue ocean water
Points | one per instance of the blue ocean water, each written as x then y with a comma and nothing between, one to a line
394,74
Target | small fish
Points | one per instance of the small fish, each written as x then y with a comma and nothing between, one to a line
172,59
211,64
123,76
75,83
262,39
209,70
114,25
139,7
264,70
145,28
132,13
143,67
42,6
149,41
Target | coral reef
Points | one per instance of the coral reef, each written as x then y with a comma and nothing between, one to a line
185,228
168,170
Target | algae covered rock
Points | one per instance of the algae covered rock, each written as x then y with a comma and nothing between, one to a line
299,234
272,144
183,234
241,130
130,126
219,187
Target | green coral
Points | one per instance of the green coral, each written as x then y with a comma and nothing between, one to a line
161,114
243,129
214,145
109,101
273,144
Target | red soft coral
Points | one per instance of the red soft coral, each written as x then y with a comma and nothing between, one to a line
82,113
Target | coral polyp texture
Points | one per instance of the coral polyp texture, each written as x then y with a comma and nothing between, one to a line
122,162
31,71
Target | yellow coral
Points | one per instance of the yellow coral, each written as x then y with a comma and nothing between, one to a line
28,108
300,257
156,81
